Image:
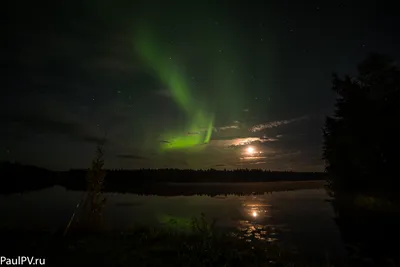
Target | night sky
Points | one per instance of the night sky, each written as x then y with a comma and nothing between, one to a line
189,84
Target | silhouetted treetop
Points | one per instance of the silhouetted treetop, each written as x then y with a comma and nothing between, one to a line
361,138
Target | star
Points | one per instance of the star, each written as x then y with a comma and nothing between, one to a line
164,97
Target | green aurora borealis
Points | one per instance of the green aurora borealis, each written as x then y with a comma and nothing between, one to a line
200,107
199,127
178,84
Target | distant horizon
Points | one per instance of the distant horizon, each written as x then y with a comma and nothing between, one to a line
316,169
158,169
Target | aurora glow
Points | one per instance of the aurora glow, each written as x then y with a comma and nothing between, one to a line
178,84
199,121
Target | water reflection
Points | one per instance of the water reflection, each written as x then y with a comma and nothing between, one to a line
256,211
293,215
255,224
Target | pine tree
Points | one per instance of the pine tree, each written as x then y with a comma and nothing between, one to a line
361,138
94,202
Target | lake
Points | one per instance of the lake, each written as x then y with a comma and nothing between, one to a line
296,213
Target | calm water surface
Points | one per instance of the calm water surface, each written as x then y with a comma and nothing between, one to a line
301,218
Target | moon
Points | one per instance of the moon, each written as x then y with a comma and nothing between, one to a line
250,150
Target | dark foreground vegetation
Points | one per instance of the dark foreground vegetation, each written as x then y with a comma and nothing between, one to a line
199,246
361,154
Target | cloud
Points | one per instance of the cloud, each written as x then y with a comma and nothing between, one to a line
257,162
44,124
130,156
273,124
113,63
268,139
228,127
95,139
241,141
163,93
230,137
250,158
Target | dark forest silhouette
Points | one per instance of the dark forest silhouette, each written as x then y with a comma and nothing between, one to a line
361,142
17,178
362,137
20,178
